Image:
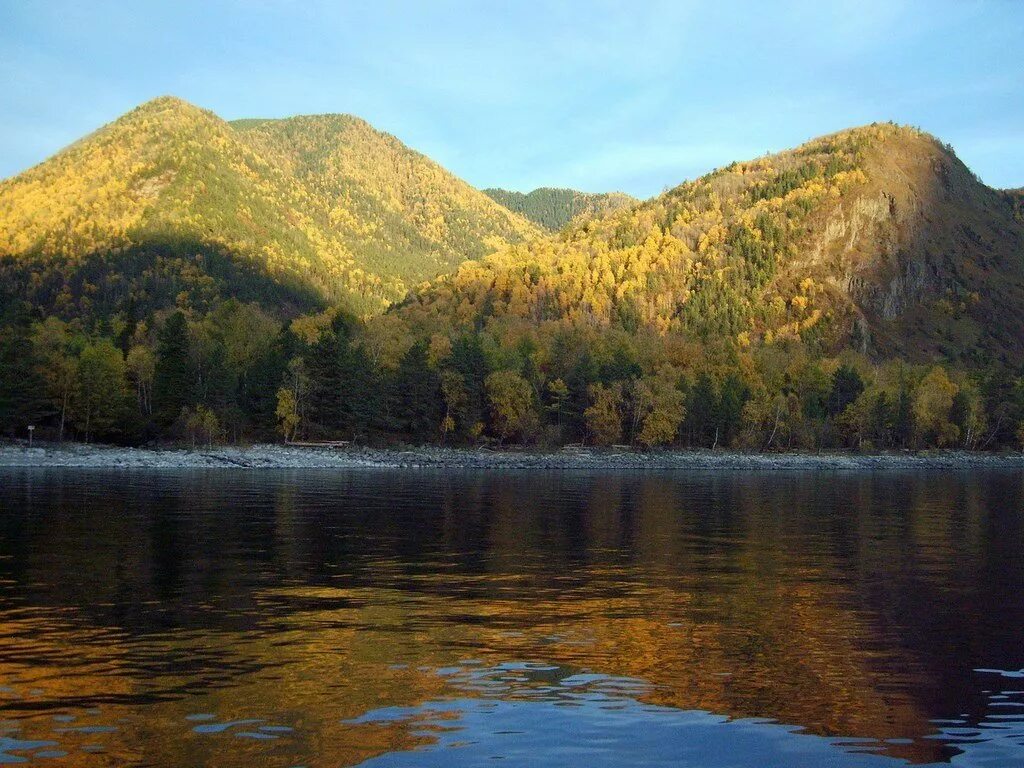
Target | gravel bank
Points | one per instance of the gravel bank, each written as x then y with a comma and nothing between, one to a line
281,456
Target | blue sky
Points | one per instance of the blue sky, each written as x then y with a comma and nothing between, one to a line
633,96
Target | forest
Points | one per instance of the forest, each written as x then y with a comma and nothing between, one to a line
860,292
554,209
238,374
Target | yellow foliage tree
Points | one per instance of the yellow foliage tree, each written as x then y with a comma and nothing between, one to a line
661,406
933,401
512,410
603,417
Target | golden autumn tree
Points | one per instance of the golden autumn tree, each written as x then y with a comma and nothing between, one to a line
933,401
660,406
510,397
604,417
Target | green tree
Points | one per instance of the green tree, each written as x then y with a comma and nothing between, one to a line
415,397
513,415
173,383
323,409
102,400
729,414
22,401
467,359
360,385
847,386
700,425
604,416
454,391
56,349
903,425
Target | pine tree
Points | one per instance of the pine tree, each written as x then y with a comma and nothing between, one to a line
701,409
846,387
729,419
360,391
173,381
468,361
22,391
415,397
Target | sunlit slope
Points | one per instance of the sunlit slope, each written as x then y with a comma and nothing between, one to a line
876,237
323,207
554,208
397,211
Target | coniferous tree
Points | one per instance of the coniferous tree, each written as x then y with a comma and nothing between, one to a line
415,397
22,392
578,382
729,419
903,417
846,387
468,361
323,404
360,399
173,384
701,410
257,393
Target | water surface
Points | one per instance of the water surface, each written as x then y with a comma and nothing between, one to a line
397,618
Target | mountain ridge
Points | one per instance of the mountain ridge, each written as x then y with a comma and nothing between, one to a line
351,228
840,240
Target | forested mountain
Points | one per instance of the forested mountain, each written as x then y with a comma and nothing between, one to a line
170,204
876,237
860,291
554,208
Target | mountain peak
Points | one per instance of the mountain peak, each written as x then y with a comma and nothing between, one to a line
167,105
875,236
325,204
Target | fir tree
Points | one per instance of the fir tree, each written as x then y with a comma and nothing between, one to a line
173,382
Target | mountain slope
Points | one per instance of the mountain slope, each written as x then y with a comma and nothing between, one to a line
554,208
876,237
170,196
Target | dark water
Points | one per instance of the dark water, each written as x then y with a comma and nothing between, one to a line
231,618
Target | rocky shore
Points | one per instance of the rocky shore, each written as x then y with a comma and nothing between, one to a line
295,457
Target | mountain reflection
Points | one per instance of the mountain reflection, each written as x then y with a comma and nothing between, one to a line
135,607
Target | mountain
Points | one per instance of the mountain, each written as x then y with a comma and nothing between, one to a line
862,290
170,204
554,208
876,237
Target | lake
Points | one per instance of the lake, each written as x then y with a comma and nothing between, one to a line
457,618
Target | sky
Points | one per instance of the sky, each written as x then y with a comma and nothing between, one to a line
631,96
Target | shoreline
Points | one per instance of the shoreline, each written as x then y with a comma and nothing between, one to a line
277,456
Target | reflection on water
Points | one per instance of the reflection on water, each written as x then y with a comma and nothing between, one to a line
324,618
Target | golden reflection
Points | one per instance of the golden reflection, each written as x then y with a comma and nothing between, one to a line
739,598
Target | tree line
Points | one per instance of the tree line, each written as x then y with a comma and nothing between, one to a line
238,374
